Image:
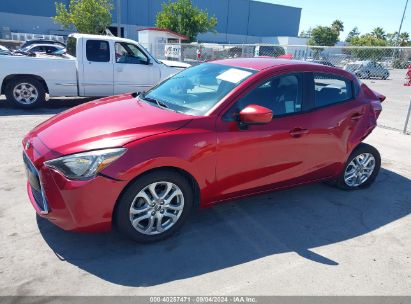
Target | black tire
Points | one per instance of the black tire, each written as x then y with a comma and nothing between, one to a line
362,148
122,213
41,92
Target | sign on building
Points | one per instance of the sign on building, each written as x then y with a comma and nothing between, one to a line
172,51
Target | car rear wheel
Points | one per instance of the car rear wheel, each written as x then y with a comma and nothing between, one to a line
25,92
361,168
154,206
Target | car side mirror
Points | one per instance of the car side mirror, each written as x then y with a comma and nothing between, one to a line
255,114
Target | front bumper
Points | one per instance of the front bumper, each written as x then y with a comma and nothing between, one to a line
74,205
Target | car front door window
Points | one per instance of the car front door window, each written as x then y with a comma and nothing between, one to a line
281,94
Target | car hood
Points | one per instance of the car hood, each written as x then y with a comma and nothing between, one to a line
105,123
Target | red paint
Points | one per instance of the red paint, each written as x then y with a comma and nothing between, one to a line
226,160
408,77
254,114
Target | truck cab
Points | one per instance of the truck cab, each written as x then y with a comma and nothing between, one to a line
93,66
112,65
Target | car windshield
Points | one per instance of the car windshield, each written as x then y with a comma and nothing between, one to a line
196,90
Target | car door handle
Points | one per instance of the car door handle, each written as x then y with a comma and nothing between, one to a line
356,116
119,69
298,132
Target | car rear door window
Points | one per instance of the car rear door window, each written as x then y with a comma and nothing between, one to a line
97,51
331,89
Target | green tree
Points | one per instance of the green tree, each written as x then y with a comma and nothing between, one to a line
184,18
352,34
379,33
323,36
338,26
368,53
368,40
404,39
87,16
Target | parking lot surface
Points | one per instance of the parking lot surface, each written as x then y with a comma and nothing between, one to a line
312,240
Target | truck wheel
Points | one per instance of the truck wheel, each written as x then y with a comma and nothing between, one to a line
25,92
361,168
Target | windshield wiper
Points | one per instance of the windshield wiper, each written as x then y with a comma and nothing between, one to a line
159,103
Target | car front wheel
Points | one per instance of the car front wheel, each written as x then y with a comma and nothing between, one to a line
154,206
361,168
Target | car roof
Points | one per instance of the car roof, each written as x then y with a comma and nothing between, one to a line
262,63
265,63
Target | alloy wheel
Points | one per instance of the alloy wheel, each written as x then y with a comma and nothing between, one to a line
156,208
359,169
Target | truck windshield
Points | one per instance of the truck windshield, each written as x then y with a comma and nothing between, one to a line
196,90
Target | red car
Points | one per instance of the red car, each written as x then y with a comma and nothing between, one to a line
214,132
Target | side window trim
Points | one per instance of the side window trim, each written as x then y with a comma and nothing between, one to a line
308,92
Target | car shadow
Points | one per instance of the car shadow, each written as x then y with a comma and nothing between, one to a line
295,220
52,106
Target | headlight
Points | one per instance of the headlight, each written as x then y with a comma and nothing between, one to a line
86,165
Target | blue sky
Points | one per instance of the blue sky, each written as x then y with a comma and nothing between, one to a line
366,14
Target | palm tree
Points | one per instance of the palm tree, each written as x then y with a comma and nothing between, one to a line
379,33
404,39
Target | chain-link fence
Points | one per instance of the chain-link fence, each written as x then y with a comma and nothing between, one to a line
383,69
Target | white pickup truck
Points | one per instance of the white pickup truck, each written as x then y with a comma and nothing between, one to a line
93,66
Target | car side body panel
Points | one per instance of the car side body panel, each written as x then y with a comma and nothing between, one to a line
225,160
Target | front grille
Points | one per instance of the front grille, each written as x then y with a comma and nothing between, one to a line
35,185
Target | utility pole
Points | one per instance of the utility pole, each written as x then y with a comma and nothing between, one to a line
402,20
119,18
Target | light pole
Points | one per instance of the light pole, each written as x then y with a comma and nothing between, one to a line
119,18
402,20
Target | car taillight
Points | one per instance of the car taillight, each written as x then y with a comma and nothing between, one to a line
381,97
376,99
377,108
